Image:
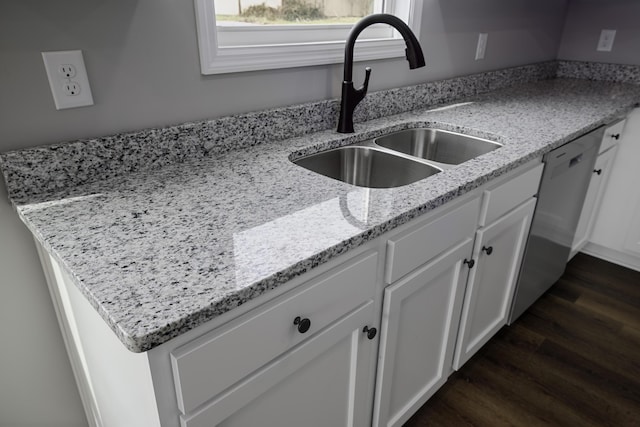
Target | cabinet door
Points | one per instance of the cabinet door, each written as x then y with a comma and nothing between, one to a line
615,222
601,172
326,381
419,326
498,253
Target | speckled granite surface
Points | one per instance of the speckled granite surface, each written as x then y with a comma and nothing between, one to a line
63,165
599,71
158,253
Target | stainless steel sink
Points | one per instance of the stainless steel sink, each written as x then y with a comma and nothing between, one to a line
437,145
367,167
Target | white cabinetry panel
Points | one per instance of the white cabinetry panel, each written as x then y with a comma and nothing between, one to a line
410,250
601,173
618,217
498,253
419,326
323,382
500,199
207,366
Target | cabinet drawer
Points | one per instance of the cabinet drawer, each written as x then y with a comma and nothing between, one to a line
315,384
207,366
612,135
500,199
417,246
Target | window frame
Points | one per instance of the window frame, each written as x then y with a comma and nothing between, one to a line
216,59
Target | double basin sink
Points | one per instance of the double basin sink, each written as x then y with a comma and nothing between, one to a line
398,158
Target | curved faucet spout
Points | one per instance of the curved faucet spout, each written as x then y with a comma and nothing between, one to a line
351,96
413,51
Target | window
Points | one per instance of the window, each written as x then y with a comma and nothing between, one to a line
246,35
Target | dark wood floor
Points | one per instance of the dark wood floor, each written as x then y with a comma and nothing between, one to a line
572,360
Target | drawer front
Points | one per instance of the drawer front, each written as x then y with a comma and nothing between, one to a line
500,199
315,384
612,135
412,249
204,368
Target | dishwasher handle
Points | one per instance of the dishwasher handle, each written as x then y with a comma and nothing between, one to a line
577,159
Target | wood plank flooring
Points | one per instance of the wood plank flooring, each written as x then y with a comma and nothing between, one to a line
573,359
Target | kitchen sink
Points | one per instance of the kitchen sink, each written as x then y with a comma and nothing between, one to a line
367,167
398,158
437,145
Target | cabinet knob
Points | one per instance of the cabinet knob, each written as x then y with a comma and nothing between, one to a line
598,171
371,332
615,136
469,262
302,324
488,250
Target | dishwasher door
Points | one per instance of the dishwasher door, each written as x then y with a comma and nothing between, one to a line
563,188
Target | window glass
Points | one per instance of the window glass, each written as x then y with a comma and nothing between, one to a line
291,12
272,22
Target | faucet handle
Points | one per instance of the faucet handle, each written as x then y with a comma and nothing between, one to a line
350,98
365,85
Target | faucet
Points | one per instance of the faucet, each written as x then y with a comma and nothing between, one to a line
351,96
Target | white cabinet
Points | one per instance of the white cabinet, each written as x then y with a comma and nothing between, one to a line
323,382
421,319
275,365
597,186
426,263
601,173
420,323
498,252
616,232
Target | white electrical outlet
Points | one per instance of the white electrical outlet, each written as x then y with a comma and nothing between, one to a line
71,88
68,79
67,70
482,45
605,44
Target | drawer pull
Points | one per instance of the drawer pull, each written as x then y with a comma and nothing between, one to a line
469,262
488,250
302,324
371,332
615,136
597,171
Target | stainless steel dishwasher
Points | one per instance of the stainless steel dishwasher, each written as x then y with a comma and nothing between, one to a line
563,188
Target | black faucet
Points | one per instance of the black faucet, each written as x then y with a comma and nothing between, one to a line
350,96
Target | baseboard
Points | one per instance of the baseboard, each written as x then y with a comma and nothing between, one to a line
620,258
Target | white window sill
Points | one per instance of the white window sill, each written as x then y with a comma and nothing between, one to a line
251,58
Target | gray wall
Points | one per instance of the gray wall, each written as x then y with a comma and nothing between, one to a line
143,65
585,20
141,56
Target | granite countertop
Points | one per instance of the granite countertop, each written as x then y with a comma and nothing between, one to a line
158,253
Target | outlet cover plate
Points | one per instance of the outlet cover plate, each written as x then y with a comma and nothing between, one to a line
55,63
605,44
482,45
